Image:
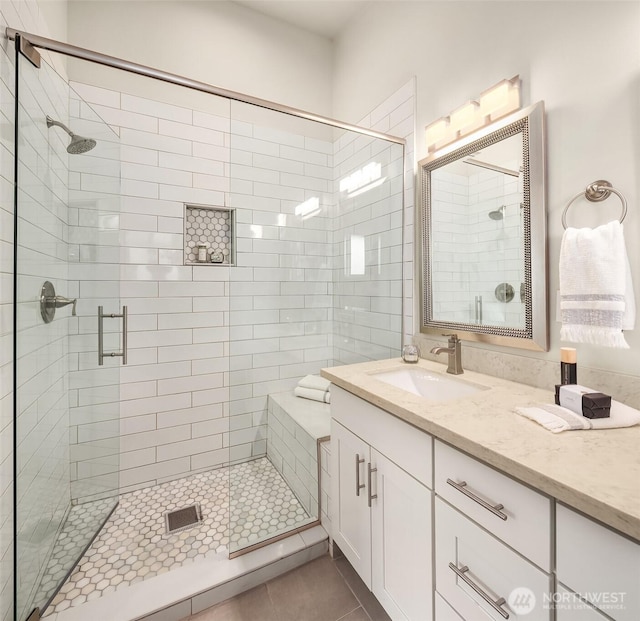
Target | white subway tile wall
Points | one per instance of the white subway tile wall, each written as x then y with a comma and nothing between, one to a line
42,403
292,446
44,391
226,337
372,273
206,346
469,241
94,271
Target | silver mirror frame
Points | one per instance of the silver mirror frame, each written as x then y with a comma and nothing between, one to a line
535,335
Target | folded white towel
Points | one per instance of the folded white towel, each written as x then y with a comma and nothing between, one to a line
314,381
324,396
596,292
556,418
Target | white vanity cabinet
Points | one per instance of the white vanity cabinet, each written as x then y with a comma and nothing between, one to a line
381,505
489,550
598,564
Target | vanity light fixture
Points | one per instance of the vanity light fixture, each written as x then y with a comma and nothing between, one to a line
494,103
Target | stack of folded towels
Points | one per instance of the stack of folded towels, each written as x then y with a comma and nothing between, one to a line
313,387
556,418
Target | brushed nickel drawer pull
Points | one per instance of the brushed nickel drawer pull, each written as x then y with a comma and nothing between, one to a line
495,509
495,604
370,471
359,485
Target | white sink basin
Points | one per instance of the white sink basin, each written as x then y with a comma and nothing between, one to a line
431,386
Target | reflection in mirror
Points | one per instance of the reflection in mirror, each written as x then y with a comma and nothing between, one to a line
484,246
478,235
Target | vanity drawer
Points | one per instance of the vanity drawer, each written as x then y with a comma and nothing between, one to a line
598,564
524,521
406,446
488,571
569,607
443,611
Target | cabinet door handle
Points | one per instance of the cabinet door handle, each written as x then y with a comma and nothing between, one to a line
495,604
359,485
370,471
495,509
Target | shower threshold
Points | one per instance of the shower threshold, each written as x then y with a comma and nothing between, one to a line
136,568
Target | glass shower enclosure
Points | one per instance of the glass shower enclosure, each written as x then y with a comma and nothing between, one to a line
301,224
67,265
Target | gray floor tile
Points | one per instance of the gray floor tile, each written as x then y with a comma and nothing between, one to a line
313,592
357,615
366,598
322,590
253,605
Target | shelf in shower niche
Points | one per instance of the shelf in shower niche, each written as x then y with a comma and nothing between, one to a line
213,229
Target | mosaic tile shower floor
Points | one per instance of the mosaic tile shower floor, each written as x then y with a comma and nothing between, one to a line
133,545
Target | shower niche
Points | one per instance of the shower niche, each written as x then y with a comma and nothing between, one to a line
209,235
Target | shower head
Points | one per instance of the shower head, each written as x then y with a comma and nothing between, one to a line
497,214
78,144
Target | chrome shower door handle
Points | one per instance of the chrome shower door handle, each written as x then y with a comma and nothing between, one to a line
125,328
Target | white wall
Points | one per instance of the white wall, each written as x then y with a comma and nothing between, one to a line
588,80
22,15
221,43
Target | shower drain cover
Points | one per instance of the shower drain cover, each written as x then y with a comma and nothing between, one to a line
184,518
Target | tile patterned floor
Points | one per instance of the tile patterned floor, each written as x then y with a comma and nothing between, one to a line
78,529
251,497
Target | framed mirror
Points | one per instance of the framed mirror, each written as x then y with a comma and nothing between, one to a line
483,229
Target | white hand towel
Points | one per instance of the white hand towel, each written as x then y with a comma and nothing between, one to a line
314,381
556,418
596,291
324,396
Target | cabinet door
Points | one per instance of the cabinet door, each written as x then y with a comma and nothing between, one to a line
350,514
599,564
401,542
569,607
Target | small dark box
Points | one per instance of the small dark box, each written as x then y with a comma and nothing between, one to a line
596,405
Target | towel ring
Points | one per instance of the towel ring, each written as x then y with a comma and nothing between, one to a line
596,192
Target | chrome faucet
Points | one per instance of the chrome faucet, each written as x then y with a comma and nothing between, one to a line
455,354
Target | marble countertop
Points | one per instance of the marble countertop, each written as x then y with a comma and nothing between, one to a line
595,472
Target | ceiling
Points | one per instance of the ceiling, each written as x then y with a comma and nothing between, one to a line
322,17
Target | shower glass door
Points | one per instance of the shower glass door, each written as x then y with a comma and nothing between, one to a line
67,265
317,283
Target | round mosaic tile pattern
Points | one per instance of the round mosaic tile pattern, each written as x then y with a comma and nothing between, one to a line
209,227
134,545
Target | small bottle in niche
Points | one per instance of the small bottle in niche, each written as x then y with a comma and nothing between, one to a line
216,257
568,369
202,253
